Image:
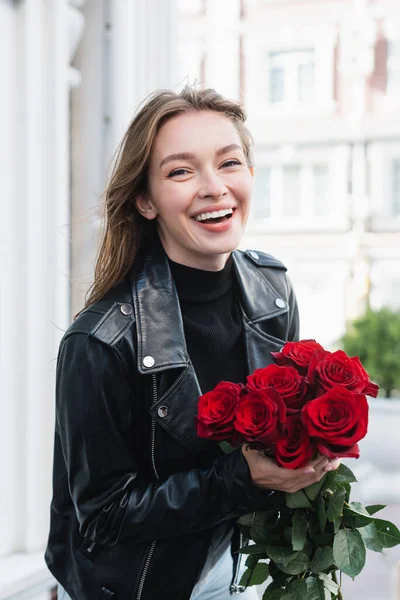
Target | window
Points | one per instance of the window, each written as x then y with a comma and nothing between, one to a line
276,82
291,191
292,77
321,188
262,192
393,68
395,205
306,79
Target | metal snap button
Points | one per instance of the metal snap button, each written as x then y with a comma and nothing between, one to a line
162,411
254,255
126,309
280,303
148,361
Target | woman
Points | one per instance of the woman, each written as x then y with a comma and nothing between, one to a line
142,507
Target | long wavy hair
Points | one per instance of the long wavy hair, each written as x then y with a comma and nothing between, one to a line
126,233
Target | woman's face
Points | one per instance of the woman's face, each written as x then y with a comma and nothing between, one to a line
199,189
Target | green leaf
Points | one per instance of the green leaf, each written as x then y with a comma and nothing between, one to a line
329,483
347,487
259,574
322,559
253,549
374,508
349,552
321,513
297,500
313,490
299,529
315,589
371,538
336,524
388,533
335,506
323,539
289,562
274,594
287,536
226,447
344,475
260,534
246,520
245,578
296,590
252,560
281,555
329,584
356,509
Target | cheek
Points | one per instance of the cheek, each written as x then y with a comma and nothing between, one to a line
170,200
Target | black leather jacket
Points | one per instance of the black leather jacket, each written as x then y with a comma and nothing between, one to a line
136,494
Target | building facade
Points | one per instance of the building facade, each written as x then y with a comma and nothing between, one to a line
72,73
321,84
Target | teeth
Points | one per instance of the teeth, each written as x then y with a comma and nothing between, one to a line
214,215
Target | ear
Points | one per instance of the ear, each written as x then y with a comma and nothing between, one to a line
251,169
145,207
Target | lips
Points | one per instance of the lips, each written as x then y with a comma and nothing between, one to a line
216,225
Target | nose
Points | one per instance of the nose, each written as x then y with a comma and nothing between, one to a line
212,185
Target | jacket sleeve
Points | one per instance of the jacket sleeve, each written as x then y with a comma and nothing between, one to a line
111,500
293,319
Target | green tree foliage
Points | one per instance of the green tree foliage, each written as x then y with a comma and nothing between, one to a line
375,338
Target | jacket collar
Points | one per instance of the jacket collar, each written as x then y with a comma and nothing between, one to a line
160,334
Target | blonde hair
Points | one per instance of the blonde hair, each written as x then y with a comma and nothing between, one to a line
126,232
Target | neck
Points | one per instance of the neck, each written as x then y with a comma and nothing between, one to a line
204,262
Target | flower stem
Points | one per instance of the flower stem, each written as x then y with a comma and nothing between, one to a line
334,578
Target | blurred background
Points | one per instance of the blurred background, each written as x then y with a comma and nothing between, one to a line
320,80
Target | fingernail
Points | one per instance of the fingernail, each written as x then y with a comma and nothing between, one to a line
328,468
309,471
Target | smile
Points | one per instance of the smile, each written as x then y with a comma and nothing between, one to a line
214,217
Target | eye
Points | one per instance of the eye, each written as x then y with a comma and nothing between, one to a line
177,172
231,163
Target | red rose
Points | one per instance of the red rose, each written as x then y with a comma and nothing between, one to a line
285,380
295,449
336,368
337,420
297,354
216,411
260,417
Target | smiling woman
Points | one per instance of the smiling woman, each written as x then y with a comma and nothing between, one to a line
142,506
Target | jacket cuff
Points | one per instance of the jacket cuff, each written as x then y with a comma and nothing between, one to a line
243,495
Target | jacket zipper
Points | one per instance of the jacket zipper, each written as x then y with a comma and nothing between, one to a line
235,588
153,463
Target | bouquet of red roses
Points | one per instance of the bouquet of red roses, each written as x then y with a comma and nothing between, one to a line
310,402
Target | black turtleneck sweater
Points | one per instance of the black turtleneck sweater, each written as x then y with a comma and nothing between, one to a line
212,323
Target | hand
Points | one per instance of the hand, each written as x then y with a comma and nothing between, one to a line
266,474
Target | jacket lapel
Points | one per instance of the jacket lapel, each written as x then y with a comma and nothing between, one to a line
160,334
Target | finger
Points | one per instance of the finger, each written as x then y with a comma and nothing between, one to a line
317,461
320,468
333,465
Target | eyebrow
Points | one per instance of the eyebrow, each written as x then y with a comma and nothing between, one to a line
191,156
